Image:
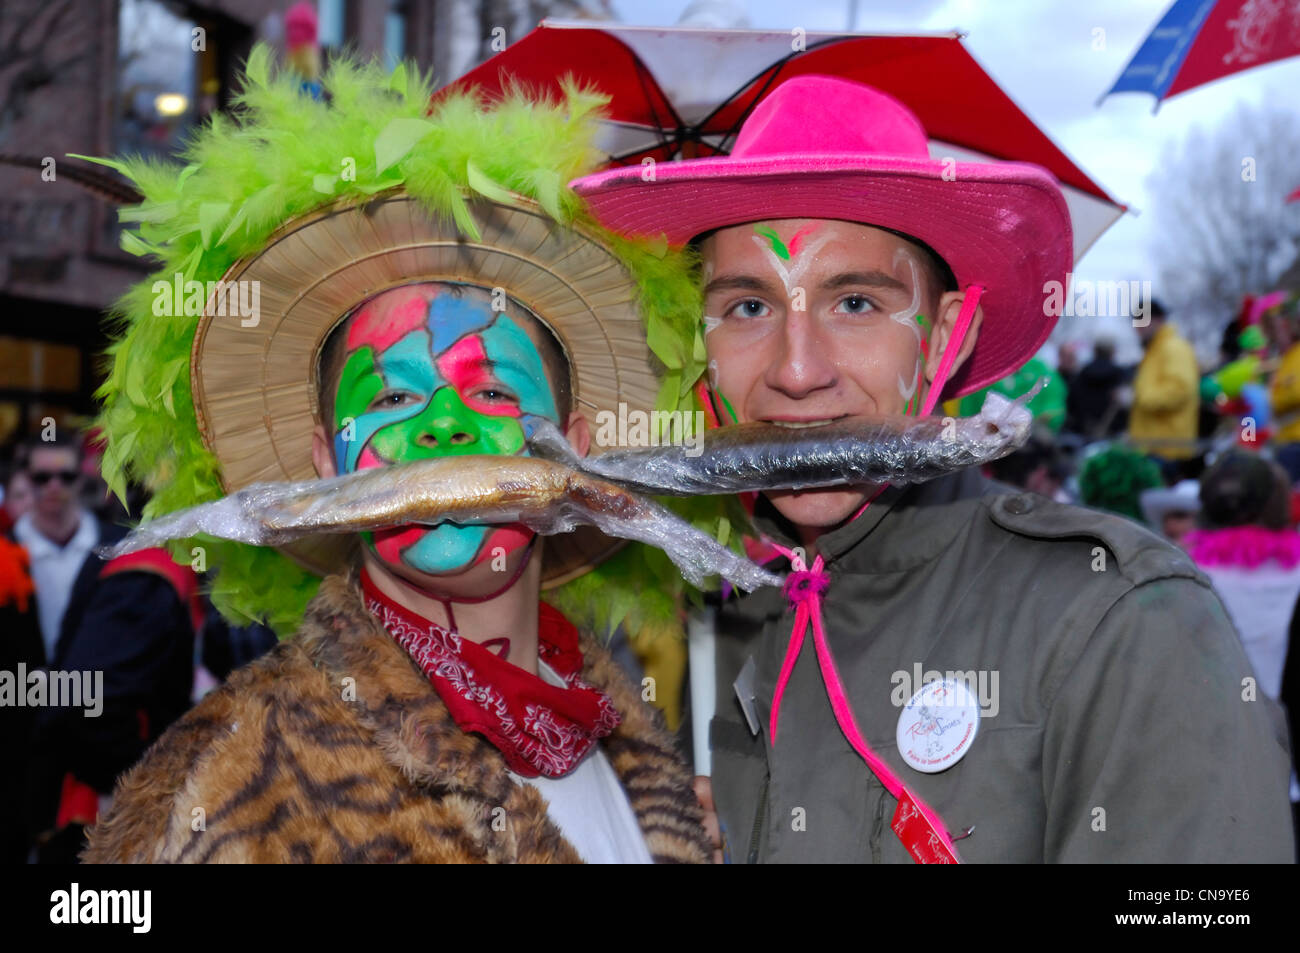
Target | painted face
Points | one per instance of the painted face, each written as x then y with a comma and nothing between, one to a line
810,320
429,373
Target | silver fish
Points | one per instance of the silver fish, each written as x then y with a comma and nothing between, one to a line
545,496
761,456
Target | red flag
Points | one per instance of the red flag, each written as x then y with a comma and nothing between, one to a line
1238,35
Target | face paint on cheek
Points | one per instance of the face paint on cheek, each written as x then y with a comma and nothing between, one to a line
922,358
404,367
735,419
520,367
505,540
905,316
908,392
924,324
355,423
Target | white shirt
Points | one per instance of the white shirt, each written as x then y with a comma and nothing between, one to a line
1259,602
54,570
590,807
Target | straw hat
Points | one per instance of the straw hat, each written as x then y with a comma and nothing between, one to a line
325,203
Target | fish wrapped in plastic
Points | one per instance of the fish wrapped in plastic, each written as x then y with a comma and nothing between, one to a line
545,496
765,456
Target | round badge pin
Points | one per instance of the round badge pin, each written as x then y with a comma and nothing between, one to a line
938,725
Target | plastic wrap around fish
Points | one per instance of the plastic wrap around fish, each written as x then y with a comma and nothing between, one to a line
545,496
763,456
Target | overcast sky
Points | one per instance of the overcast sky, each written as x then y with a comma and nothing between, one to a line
1041,52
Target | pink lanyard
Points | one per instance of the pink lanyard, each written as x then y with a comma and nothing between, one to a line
917,825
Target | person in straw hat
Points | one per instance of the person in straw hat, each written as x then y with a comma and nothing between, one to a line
397,282
973,674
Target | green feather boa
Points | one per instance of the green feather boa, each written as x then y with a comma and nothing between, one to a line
284,154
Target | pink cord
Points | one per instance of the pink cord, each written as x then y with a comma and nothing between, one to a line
804,588
964,318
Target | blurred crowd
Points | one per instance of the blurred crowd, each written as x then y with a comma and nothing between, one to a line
139,627
1206,457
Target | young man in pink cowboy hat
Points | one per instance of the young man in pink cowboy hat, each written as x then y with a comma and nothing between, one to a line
973,673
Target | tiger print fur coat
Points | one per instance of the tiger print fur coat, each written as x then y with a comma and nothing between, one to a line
276,766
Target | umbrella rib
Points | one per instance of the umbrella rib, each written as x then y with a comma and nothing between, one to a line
775,70
641,74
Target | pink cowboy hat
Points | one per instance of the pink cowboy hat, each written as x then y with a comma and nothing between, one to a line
821,147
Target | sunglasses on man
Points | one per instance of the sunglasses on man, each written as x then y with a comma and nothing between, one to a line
42,477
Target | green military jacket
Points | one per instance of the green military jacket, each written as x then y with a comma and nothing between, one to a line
1120,721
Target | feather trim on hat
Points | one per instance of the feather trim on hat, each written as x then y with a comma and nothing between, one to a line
282,154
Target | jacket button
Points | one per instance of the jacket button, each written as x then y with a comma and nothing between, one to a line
1019,505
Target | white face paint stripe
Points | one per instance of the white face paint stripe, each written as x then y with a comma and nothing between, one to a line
790,276
903,390
908,315
805,258
710,323
776,262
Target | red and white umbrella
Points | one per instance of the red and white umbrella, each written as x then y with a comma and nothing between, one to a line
683,93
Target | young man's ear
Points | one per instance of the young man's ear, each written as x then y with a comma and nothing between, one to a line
578,431
946,320
322,452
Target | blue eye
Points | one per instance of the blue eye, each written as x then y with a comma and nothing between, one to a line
749,308
856,304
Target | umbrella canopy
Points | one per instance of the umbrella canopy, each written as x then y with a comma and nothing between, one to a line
683,93
1198,41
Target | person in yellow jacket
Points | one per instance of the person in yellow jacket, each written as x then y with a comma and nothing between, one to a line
1166,392
1285,397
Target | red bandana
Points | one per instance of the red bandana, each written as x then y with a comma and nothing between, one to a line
540,728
